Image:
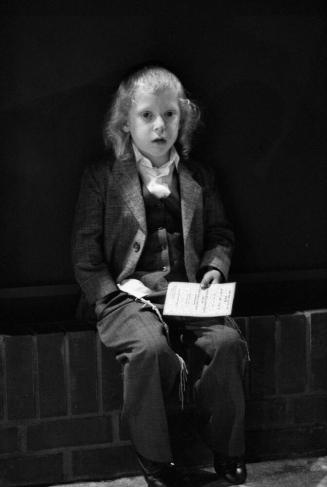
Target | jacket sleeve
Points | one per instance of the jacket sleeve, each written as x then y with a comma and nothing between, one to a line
218,234
90,268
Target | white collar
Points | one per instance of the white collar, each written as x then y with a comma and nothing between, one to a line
144,161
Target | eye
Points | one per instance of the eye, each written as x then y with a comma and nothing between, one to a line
147,115
170,113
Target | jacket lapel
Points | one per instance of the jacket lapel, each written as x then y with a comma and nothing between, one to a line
190,193
127,179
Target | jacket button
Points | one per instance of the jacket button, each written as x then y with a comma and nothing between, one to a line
136,246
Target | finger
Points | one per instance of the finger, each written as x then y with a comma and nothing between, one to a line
206,281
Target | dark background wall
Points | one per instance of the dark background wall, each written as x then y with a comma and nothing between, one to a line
260,78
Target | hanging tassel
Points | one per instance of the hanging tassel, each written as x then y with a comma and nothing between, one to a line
148,304
182,379
233,324
183,368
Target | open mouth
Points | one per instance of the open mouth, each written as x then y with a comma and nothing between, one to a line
159,140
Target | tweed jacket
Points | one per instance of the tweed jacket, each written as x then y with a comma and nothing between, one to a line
110,226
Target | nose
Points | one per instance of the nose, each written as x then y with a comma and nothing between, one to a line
159,124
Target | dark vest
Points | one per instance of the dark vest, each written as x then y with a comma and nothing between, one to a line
162,259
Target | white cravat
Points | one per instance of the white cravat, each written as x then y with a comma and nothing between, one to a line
158,180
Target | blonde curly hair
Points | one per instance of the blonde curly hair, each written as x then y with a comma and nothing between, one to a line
153,79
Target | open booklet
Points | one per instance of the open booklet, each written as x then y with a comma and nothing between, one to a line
188,299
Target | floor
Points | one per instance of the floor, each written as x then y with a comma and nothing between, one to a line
304,472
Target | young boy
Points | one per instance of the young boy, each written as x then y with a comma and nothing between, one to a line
144,218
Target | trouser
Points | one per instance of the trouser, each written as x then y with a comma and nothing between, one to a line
217,357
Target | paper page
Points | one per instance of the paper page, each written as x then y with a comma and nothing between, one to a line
134,287
188,299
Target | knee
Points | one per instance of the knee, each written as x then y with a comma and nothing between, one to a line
225,341
152,348
231,342
231,338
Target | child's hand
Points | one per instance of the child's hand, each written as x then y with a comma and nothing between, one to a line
211,277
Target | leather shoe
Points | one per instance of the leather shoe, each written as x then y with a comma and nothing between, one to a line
159,474
233,469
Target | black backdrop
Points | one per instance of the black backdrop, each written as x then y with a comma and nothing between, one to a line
260,79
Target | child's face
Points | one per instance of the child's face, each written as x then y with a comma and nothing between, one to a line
153,122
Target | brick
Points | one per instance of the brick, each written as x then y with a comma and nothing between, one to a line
111,462
112,383
8,439
292,354
319,351
262,352
51,371
285,442
20,359
32,470
83,372
310,409
2,379
69,432
265,414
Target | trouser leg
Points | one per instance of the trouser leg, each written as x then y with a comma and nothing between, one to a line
217,362
150,373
